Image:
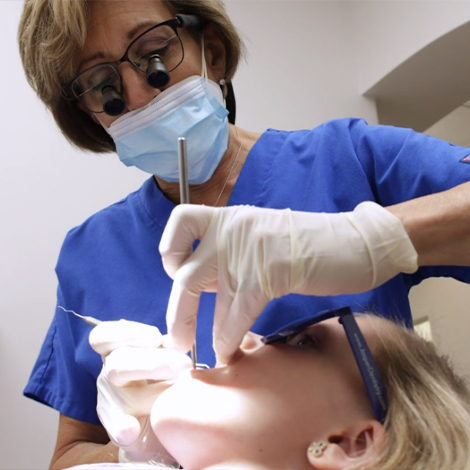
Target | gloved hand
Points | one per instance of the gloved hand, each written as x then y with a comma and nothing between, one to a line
252,255
136,370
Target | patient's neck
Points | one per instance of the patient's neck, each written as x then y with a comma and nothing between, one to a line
263,462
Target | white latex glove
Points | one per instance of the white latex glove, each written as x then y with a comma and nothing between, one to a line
136,370
252,255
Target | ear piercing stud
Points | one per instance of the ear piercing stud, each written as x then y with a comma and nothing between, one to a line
317,448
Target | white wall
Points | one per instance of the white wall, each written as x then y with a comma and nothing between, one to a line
46,188
387,33
301,70
414,80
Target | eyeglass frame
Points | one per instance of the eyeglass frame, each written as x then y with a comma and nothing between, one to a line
370,373
179,21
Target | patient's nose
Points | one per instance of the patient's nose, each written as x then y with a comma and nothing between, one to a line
251,342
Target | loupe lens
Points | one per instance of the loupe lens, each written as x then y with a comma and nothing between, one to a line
157,73
112,101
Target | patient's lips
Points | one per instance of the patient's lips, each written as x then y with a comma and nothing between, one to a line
200,368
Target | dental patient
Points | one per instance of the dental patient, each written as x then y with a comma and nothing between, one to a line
349,392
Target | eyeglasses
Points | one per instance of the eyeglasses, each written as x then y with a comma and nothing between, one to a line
156,52
367,366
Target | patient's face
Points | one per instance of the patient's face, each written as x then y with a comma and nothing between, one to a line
270,402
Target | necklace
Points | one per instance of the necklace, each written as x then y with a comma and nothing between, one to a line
231,169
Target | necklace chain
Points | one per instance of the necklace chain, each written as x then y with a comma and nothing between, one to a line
231,169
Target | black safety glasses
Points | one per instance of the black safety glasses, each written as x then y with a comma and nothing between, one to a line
368,368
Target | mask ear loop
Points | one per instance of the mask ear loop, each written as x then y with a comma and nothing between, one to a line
227,88
204,65
103,125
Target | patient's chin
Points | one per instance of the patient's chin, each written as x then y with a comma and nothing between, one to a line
181,409
196,422
191,442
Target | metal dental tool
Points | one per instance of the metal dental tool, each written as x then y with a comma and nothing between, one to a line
90,320
94,321
184,199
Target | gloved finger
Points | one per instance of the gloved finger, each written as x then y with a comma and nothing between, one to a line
122,428
181,317
110,335
197,274
147,449
186,224
128,364
234,316
137,398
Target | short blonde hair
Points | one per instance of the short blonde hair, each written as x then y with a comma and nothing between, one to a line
428,422
50,34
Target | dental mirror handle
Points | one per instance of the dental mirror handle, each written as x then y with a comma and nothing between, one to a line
184,199
183,167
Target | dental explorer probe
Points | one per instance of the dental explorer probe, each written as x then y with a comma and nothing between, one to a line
90,320
184,199
94,321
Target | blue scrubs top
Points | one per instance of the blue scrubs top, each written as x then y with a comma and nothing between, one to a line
110,267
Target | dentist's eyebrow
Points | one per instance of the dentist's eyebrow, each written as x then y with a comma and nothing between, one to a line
142,25
90,58
129,36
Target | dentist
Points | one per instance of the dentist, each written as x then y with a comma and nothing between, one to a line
345,213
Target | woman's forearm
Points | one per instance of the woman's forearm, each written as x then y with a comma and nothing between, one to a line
439,226
79,442
85,452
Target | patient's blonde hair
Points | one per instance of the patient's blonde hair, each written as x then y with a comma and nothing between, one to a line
52,32
428,422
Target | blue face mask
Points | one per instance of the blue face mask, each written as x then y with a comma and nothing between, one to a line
147,138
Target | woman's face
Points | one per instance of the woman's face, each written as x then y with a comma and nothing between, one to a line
267,405
112,26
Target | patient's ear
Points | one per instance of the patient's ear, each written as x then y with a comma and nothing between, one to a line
357,445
